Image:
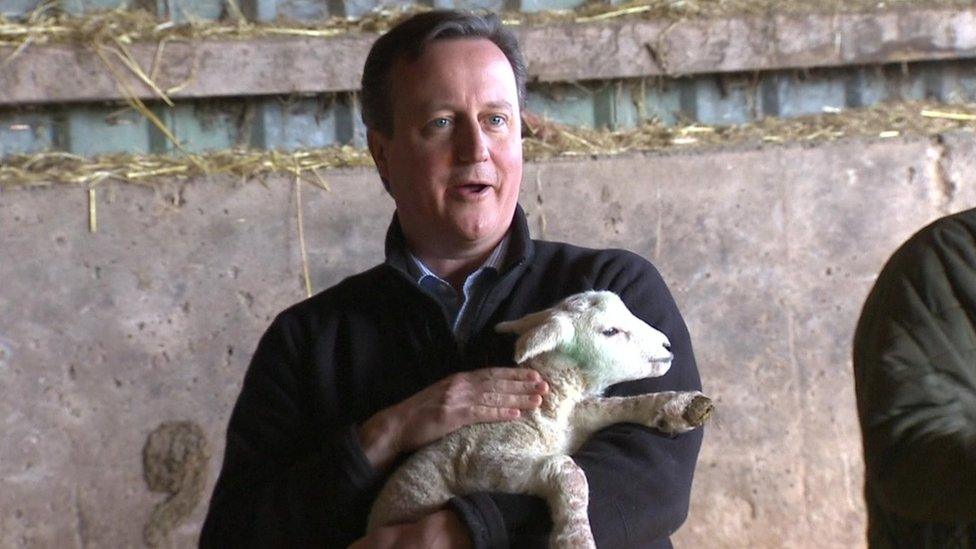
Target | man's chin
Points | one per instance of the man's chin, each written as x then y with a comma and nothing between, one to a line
473,233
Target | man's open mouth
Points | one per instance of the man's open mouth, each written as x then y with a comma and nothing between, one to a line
473,188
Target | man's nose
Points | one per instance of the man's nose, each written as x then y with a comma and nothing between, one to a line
470,143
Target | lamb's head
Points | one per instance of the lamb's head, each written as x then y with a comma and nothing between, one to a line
601,336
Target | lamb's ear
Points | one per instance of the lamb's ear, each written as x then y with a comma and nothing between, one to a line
544,337
521,325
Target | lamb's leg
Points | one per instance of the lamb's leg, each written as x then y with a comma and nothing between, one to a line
563,485
557,479
415,490
670,412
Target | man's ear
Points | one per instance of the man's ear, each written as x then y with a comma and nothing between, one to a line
548,335
376,142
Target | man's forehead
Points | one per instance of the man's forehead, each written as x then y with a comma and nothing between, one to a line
434,53
450,69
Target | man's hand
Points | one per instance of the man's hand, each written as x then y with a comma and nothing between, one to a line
489,394
441,530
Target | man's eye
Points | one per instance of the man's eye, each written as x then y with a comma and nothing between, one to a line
610,332
496,120
440,122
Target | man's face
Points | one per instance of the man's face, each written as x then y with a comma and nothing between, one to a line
454,161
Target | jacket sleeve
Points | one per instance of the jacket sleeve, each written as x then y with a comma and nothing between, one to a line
639,479
915,374
285,482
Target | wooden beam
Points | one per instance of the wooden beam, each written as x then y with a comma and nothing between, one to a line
630,49
625,48
206,68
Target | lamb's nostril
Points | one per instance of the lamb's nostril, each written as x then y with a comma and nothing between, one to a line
667,347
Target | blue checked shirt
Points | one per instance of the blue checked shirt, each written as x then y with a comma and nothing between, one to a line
461,308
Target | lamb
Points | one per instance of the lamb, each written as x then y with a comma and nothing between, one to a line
581,346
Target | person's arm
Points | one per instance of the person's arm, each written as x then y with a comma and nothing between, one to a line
283,483
927,472
915,372
639,479
439,530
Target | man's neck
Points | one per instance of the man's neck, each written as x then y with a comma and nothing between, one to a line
455,266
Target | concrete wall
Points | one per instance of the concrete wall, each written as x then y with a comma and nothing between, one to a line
769,252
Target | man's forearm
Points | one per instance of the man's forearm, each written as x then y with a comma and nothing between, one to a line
319,497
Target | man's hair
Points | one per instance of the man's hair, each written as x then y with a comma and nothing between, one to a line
407,41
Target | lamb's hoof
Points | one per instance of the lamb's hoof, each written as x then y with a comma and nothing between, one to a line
698,410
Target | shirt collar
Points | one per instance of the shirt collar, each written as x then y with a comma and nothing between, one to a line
519,245
419,271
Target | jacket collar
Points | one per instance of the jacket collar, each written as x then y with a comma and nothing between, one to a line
520,247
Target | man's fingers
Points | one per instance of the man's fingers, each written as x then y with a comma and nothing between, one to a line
492,413
511,387
501,400
516,374
489,394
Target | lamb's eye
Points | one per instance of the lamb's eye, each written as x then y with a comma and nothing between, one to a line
610,332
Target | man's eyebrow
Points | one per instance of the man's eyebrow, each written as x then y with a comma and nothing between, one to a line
499,105
435,106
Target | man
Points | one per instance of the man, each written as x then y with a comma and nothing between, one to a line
915,377
347,383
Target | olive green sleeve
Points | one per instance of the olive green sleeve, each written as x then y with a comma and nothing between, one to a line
915,374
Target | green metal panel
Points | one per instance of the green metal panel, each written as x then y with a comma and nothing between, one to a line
296,123
190,10
493,5
85,6
26,133
198,126
662,99
795,93
564,103
949,82
721,99
867,86
905,82
259,10
358,8
13,9
306,10
350,129
614,107
94,130
812,92
546,5
959,83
